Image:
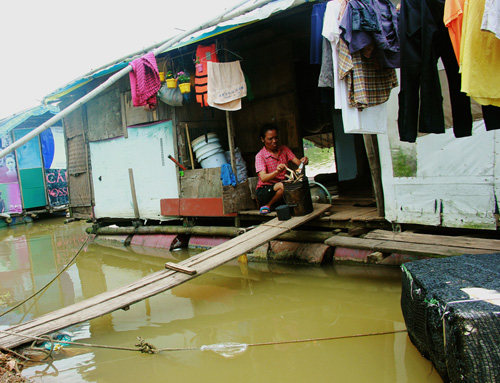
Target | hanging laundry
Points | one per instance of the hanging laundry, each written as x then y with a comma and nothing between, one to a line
206,53
144,81
491,17
317,17
425,39
226,85
479,57
368,84
373,23
325,79
453,17
372,120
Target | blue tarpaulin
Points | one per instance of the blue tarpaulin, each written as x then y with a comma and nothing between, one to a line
9,123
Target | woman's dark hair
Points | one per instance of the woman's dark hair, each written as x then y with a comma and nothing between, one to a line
267,127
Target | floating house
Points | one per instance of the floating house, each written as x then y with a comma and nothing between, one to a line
120,157
33,178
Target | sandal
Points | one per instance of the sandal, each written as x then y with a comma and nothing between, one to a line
265,210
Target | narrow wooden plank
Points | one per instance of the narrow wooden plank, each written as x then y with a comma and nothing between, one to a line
386,246
366,215
154,283
186,270
467,242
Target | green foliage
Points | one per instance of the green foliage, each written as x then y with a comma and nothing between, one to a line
403,165
183,77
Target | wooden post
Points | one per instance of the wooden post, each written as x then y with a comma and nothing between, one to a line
134,196
230,137
371,146
124,115
189,146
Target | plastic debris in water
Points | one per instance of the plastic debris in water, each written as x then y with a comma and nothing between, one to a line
57,345
227,350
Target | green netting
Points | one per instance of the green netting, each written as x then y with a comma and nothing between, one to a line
458,333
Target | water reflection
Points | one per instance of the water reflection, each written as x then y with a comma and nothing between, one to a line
235,304
30,256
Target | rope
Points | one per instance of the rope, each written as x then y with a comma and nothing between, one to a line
278,226
50,282
148,348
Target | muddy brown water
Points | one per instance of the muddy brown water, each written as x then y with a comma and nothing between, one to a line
237,323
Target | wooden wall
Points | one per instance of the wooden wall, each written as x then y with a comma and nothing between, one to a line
78,163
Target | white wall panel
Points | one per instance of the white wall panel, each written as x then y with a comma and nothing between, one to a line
146,151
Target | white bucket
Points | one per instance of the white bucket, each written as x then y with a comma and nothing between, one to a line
207,150
199,144
214,161
199,140
209,154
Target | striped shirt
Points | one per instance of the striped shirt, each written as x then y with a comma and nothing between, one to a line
266,161
368,83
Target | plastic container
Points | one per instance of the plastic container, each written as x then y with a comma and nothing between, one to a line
211,140
209,154
214,161
283,212
298,196
200,140
207,150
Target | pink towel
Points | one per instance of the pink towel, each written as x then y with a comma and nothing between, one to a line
144,80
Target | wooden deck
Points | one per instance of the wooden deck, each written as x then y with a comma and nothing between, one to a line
155,283
345,213
423,245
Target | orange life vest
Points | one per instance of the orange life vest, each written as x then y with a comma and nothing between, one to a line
205,53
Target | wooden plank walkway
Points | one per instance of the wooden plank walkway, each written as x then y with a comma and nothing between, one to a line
490,245
155,283
417,244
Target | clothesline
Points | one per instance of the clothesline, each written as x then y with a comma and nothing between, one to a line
375,32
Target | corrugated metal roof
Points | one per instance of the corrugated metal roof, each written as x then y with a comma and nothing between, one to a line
9,123
224,27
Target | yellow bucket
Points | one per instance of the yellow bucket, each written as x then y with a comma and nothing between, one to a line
185,87
171,82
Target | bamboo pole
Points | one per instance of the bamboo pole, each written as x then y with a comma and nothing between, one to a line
118,75
230,136
224,231
189,146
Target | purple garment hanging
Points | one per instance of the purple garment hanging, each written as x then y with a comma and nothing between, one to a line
374,22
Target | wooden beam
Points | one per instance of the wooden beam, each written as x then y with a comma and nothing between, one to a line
230,137
132,190
385,246
124,114
189,146
492,245
371,146
224,231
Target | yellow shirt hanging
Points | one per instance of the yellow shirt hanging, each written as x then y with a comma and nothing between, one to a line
479,57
